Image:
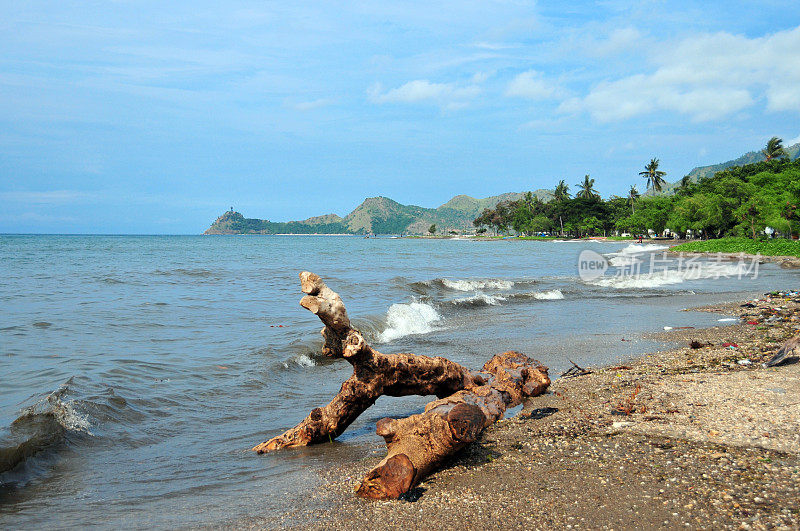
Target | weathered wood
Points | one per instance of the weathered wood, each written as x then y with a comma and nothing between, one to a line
468,402
420,443
374,373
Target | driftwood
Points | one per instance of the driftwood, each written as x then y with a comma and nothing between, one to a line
575,370
420,443
468,402
374,373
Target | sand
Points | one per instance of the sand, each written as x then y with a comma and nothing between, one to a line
683,438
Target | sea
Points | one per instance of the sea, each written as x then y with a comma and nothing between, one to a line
136,372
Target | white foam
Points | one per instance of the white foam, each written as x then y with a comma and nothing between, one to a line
623,260
304,360
552,295
475,285
489,300
672,276
66,415
408,319
642,248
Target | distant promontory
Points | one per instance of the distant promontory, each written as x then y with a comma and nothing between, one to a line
376,215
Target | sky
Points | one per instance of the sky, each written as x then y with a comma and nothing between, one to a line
156,117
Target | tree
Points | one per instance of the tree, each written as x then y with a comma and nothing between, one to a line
633,195
432,229
587,188
751,214
655,177
561,192
591,226
774,149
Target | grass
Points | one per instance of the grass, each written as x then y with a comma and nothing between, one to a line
776,247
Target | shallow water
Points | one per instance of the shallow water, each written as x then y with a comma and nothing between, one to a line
136,371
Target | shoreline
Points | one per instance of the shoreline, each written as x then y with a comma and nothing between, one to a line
785,261
682,437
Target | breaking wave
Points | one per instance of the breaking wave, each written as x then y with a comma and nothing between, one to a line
475,285
40,427
669,277
635,248
301,360
479,299
408,319
551,295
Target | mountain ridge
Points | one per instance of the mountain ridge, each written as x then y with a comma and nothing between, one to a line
382,215
375,215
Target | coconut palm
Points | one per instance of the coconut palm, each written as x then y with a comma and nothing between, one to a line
587,188
774,149
633,195
562,191
655,177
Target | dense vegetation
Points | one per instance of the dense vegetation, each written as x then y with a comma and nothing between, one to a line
739,201
774,247
237,223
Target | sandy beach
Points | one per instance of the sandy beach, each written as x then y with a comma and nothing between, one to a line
683,438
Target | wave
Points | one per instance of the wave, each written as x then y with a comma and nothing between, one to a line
475,285
40,427
479,299
636,248
302,360
551,295
482,299
408,319
669,277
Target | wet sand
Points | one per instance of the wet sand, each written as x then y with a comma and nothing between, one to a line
683,438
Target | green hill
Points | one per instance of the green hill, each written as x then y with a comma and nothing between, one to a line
701,172
376,215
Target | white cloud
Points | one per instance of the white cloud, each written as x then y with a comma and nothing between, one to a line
449,95
705,77
619,40
532,85
792,142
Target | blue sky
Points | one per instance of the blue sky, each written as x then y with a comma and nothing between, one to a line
145,117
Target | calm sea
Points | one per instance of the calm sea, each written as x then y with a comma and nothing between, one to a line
137,371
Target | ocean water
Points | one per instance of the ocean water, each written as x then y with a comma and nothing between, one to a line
137,371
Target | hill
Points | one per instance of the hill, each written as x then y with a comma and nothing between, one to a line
376,215
750,157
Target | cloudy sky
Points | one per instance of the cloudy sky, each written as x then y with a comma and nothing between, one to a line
155,117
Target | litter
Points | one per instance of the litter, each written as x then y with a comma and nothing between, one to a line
744,362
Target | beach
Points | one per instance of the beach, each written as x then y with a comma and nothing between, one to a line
681,438
140,370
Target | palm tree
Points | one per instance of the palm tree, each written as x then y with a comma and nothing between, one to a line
587,188
774,149
562,191
633,195
655,177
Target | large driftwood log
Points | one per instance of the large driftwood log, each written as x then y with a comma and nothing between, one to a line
468,402
374,373
420,443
